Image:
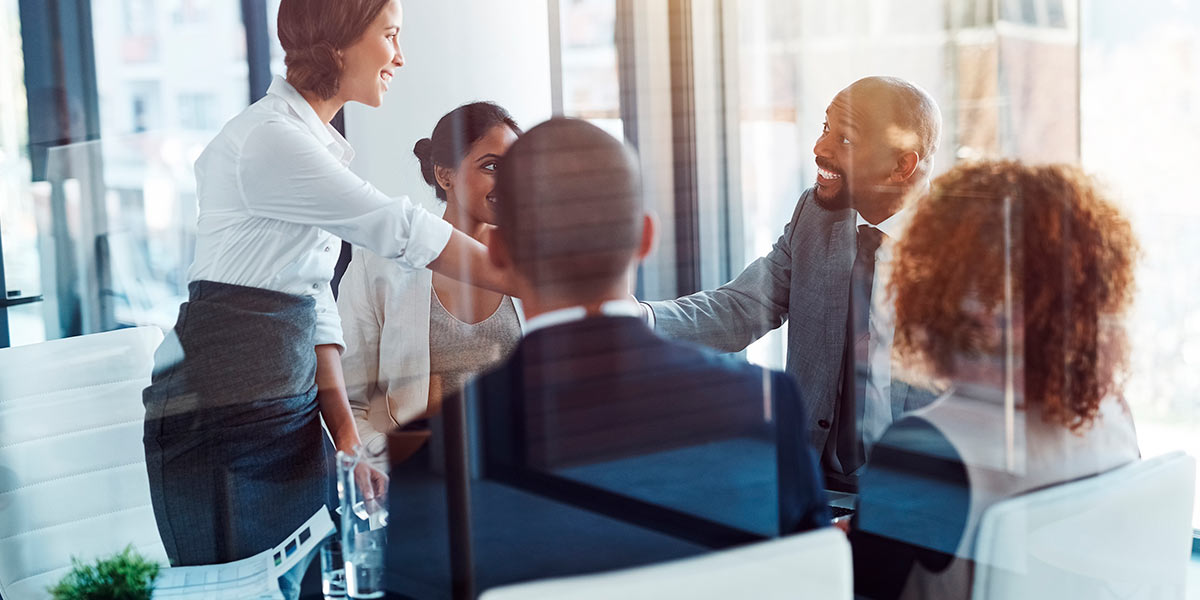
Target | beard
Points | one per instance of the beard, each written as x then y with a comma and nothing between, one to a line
840,200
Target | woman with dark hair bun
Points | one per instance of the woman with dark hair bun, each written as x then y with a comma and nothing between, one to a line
235,450
414,337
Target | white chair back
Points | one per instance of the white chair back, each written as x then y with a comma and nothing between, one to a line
1123,534
809,565
73,477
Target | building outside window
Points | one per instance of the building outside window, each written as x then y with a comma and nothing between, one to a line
18,218
590,80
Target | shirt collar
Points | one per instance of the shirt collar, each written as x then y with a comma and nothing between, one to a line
562,316
324,132
893,226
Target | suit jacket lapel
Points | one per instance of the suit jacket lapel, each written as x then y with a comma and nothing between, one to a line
823,253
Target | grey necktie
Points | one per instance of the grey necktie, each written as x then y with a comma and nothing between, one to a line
850,451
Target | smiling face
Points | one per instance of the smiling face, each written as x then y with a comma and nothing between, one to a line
471,186
856,159
370,63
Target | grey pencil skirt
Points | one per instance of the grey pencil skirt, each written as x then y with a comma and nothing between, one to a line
235,451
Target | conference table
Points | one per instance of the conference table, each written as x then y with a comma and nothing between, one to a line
648,505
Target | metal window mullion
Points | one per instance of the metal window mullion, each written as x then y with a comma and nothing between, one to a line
258,47
644,54
554,15
733,230
683,127
627,72
712,132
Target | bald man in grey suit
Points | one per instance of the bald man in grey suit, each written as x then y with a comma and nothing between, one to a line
877,146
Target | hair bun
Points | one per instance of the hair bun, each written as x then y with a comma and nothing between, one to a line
317,67
423,150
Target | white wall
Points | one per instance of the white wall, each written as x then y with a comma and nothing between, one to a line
455,51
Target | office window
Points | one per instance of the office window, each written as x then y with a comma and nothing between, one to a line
590,80
193,12
794,56
1043,13
273,36
100,218
154,124
196,112
1140,109
1119,97
18,217
202,46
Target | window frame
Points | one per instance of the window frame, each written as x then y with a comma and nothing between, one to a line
59,54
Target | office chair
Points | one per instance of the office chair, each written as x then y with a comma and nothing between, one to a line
73,477
809,565
1123,534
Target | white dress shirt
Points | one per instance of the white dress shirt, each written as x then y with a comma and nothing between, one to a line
562,316
877,414
275,194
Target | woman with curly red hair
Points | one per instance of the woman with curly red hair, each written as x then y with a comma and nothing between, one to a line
1009,287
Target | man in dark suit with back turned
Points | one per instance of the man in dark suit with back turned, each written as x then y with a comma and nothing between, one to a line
571,229
877,146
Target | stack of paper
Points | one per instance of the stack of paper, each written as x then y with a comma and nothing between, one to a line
255,578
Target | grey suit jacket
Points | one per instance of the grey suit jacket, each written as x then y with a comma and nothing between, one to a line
805,280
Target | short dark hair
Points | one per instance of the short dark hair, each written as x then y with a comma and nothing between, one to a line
312,32
569,208
454,135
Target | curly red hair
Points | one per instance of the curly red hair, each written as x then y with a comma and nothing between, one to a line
1072,256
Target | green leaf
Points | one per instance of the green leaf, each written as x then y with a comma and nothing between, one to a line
125,576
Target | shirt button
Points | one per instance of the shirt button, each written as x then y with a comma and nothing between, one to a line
823,424
316,286
327,248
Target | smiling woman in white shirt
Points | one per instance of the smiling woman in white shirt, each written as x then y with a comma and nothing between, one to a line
236,454
415,337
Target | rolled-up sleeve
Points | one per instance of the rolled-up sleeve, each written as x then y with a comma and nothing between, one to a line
329,322
317,189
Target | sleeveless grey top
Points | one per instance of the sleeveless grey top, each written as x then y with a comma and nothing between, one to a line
459,351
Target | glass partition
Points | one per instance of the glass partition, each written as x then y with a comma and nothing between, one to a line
1140,116
18,219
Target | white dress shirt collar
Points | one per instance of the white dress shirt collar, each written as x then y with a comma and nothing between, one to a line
562,316
893,226
324,132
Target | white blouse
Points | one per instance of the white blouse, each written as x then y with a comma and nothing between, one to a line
275,194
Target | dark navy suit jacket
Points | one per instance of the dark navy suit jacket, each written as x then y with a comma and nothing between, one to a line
610,387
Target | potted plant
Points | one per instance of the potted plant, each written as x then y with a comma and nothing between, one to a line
126,576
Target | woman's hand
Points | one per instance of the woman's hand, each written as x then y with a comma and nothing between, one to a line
372,483
335,410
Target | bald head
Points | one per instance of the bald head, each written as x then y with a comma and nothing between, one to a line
908,118
569,211
878,143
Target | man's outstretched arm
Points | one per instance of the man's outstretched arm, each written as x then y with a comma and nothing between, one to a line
736,314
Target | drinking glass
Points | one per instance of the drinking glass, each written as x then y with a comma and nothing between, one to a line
362,532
